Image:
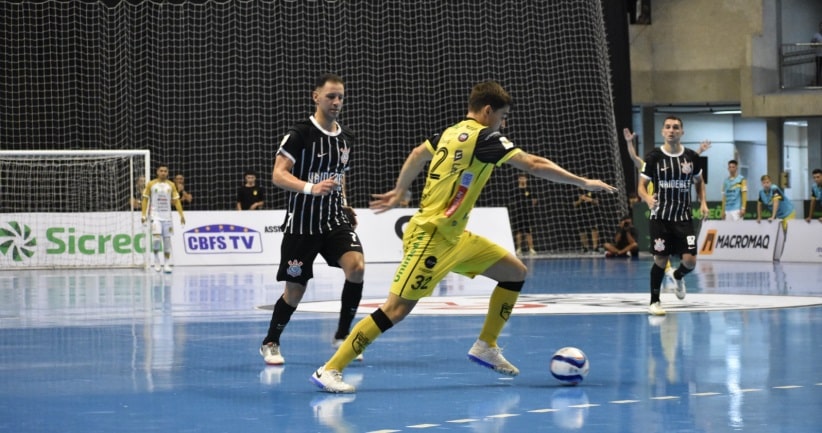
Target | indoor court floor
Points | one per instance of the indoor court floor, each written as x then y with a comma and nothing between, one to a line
130,350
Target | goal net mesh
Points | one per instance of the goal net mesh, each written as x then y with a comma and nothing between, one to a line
73,208
210,88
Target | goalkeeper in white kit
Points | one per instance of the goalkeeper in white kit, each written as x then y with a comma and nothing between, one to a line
159,195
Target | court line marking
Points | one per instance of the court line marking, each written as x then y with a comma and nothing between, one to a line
584,406
583,303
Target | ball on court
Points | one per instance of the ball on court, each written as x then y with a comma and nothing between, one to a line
569,365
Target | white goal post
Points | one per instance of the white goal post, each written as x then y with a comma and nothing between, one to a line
72,208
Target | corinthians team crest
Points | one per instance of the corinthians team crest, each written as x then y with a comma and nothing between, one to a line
686,166
295,268
344,155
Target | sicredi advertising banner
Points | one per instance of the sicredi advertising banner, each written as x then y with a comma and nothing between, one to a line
87,239
803,242
208,237
739,240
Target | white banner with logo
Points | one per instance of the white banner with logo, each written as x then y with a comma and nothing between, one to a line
739,240
99,239
253,237
803,242
89,239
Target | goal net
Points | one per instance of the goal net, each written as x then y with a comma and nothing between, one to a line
61,209
210,88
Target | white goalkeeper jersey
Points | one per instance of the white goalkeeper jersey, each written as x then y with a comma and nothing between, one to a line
160,194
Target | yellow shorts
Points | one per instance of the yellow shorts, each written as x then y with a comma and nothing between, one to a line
428,258
785,220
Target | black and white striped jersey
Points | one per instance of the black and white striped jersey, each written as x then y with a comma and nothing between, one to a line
317,155
672,176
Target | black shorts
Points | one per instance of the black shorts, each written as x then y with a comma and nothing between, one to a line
672,238
298,252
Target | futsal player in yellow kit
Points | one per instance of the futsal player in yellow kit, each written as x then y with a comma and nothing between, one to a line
435,241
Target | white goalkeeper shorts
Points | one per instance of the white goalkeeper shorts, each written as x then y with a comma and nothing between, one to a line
162,228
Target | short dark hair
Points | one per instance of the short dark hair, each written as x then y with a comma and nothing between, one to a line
626,217
324,78
816,171
733,161
682,125
249,173
488,93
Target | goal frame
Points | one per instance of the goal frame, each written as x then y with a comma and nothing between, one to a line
91,153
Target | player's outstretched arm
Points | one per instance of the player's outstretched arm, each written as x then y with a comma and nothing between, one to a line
547,169
411,168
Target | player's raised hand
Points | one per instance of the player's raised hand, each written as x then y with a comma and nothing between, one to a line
705,145
597,185
385,201
629,136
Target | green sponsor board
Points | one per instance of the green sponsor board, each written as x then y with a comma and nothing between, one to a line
66,240
22,242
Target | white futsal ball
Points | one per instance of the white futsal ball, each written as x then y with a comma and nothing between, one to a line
569,365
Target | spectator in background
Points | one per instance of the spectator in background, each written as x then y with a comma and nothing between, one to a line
734,194
773,199
185,196
137,197
250,195
625,240
816,193
586,219
522,214
817,39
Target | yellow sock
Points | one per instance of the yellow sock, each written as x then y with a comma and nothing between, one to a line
364,332
500,307
668,266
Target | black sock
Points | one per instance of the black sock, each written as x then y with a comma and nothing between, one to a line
350,301
657,274
279,319
681,271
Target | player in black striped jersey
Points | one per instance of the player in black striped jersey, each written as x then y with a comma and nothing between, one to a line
673,170
311,164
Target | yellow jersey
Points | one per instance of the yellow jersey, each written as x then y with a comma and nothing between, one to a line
464,156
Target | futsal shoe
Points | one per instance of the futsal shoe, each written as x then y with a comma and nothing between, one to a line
491,357
338,342
669,282
655,309
331,381
680,289
157,267
167,268
271,354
